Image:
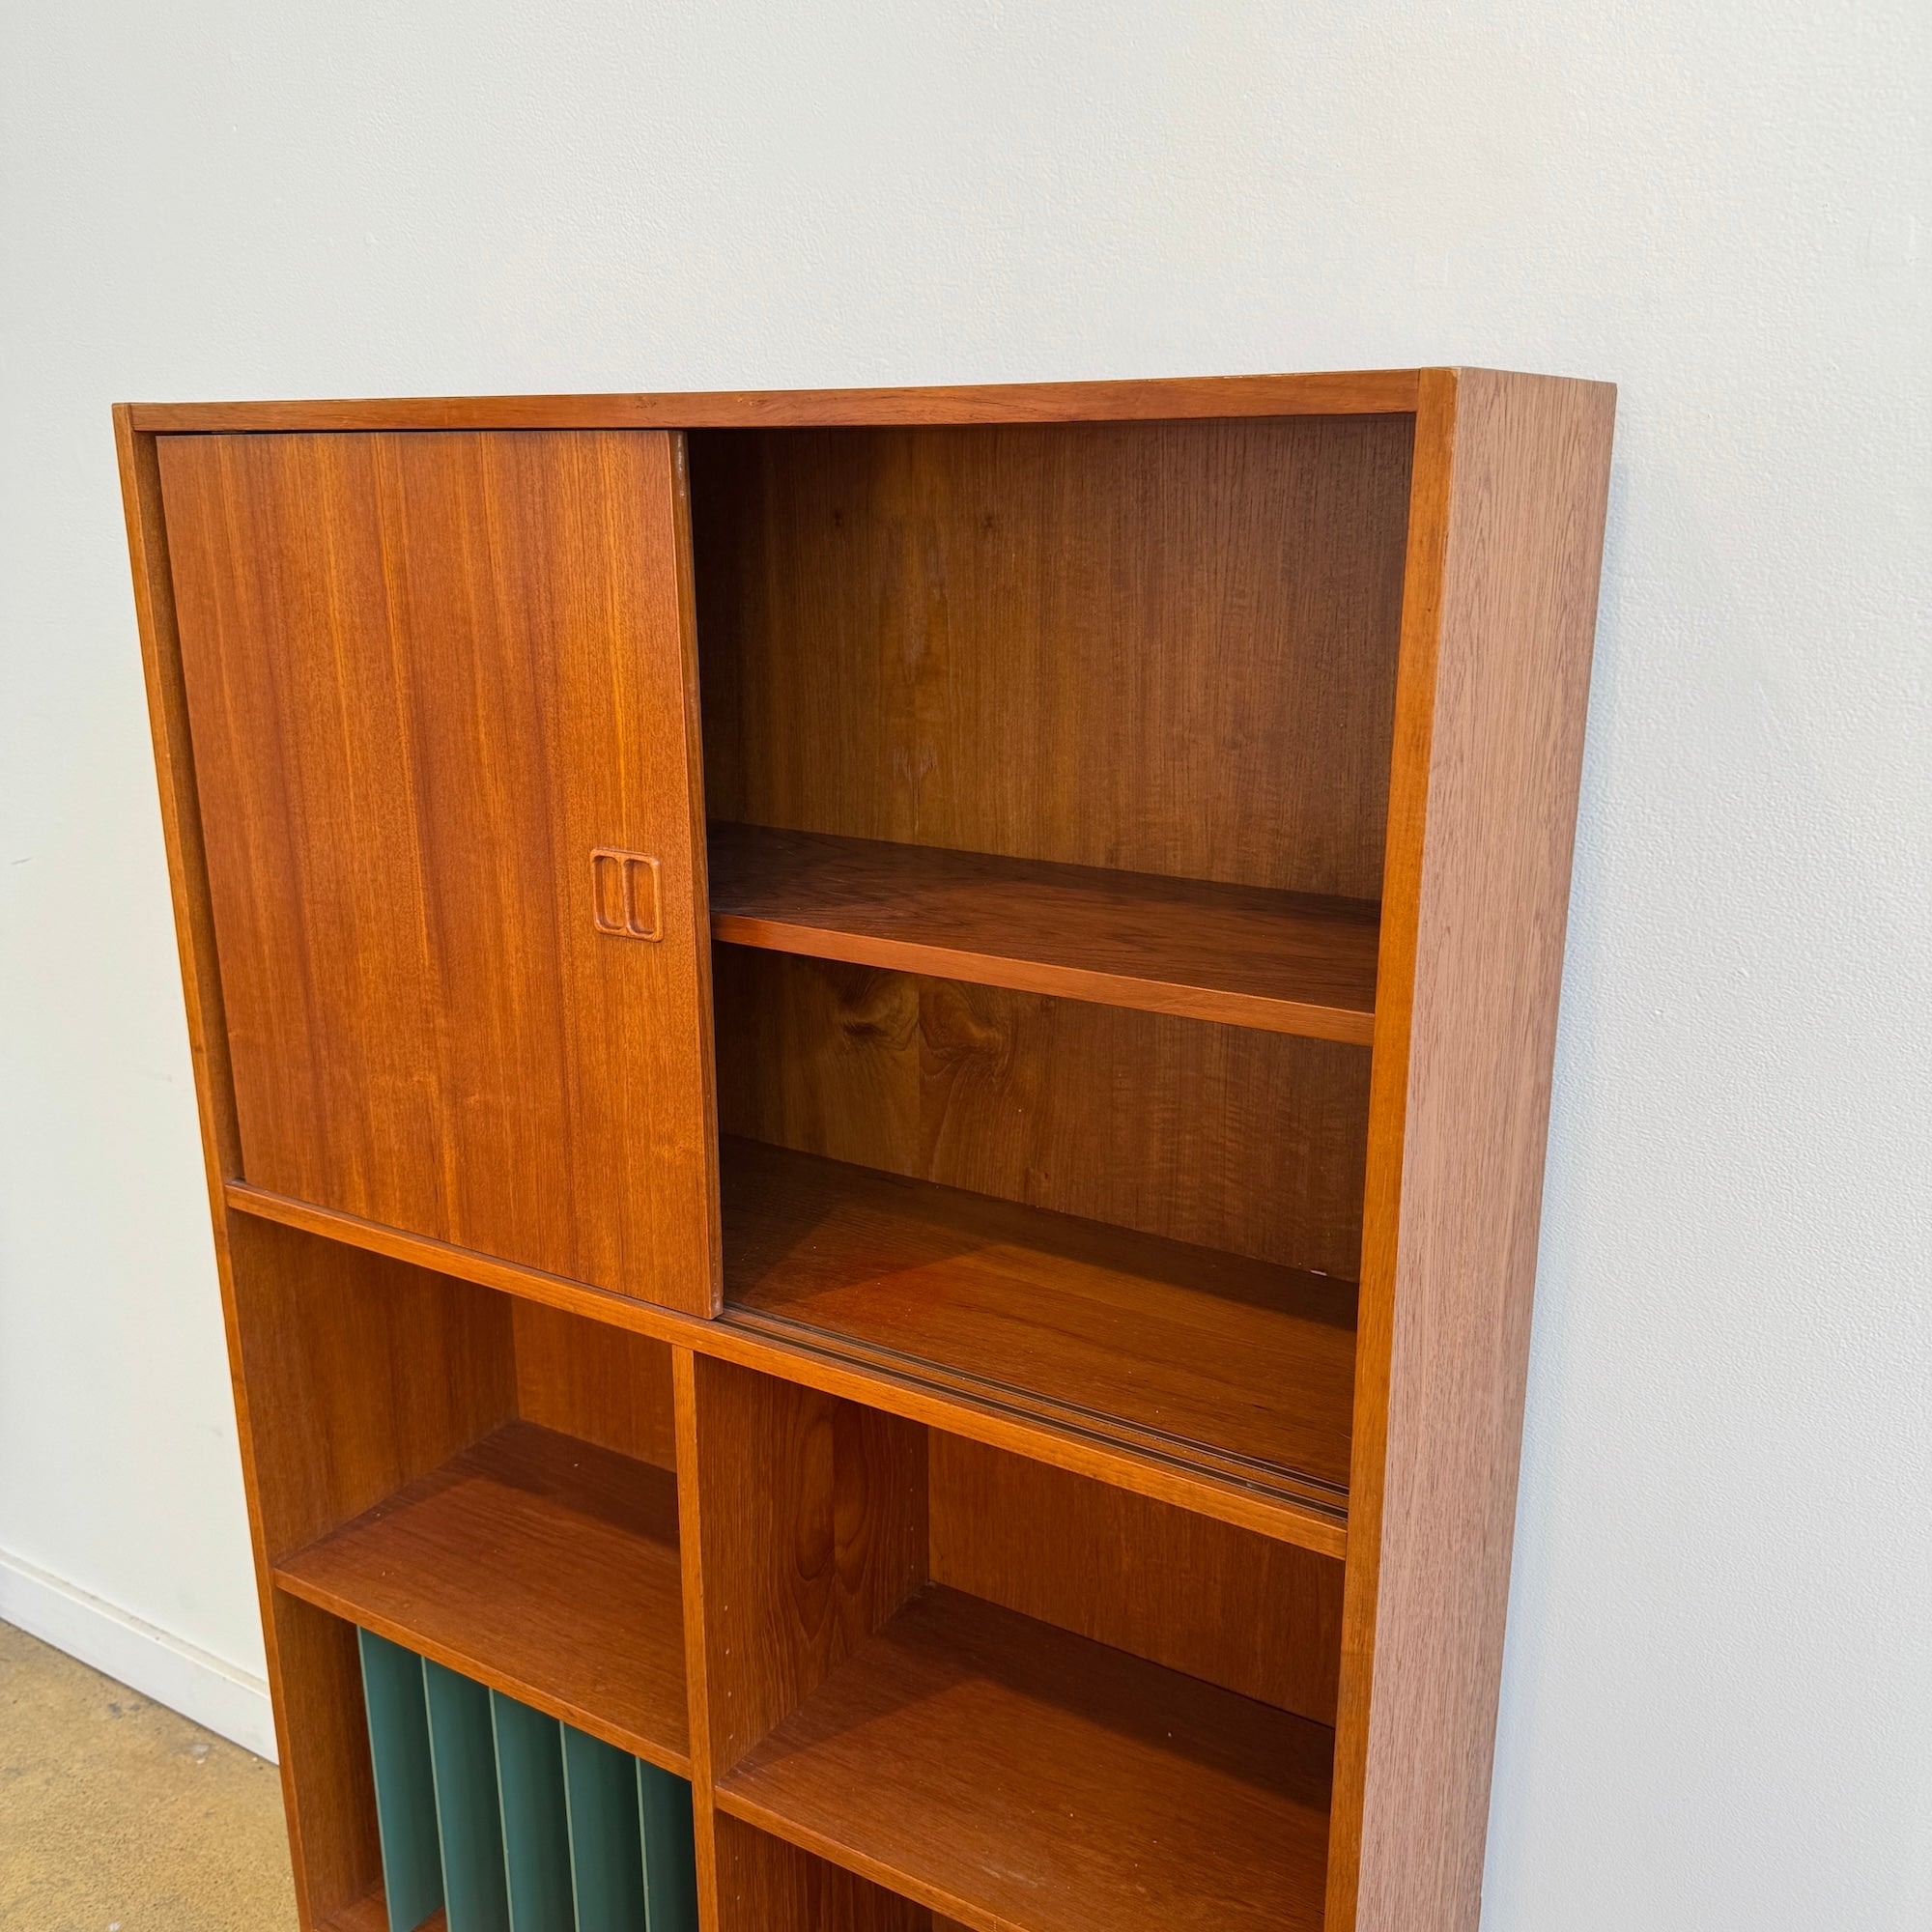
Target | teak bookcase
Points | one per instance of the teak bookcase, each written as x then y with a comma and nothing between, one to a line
874,1069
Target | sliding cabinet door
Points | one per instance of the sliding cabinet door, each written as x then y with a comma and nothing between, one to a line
443,709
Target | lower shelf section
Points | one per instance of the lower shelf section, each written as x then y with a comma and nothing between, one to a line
1237,1365
1019,1778
537,1564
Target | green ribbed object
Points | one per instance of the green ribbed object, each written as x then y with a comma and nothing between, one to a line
670,1851
511,1820
606,1852
392,1694
536,1836
463,1751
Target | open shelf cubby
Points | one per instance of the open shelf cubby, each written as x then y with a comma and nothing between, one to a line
1137,1736
874,1068
538,1563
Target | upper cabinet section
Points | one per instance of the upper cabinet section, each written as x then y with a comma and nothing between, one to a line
441,694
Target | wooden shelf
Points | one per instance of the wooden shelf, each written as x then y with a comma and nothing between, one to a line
1239,1365
538,1564
1285,962
1023,1779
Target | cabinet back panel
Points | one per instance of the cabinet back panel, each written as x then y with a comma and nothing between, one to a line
1237,1608
1167,647
363,1374
426,676
1251,1142
601,1383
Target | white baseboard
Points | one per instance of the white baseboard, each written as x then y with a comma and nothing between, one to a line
229,1702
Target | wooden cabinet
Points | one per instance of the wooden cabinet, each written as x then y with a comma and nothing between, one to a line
874,1069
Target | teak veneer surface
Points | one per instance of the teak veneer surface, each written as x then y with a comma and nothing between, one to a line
428,676
764,1883
1285,962
810,1516
1321,633
1248,1612
1185,1344
1513,475
588,1380
1341,392
1156,647
1223,1136
533,1562
1020,1778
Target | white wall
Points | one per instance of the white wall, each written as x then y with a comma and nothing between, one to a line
1718,1707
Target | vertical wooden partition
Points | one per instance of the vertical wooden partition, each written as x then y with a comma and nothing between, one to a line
1505,546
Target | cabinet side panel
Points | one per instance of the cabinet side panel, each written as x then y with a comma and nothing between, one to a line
331,1836
810,1531
327,1768
1497,679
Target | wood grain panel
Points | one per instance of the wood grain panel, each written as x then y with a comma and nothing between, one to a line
1236,1610
1165,647
1507,538
181,805
372,1373
1288,962
323,1735
1221,1136
426,676
1204,1351
1023,1779
810,1531
534,1563
765,1884
1345,392
597,1383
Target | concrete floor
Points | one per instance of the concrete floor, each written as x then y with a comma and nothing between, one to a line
117,1815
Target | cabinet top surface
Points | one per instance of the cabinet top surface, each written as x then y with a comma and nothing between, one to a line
1359,392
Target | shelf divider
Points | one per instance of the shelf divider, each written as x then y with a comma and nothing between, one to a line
399,1749
468,1813
1284,962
